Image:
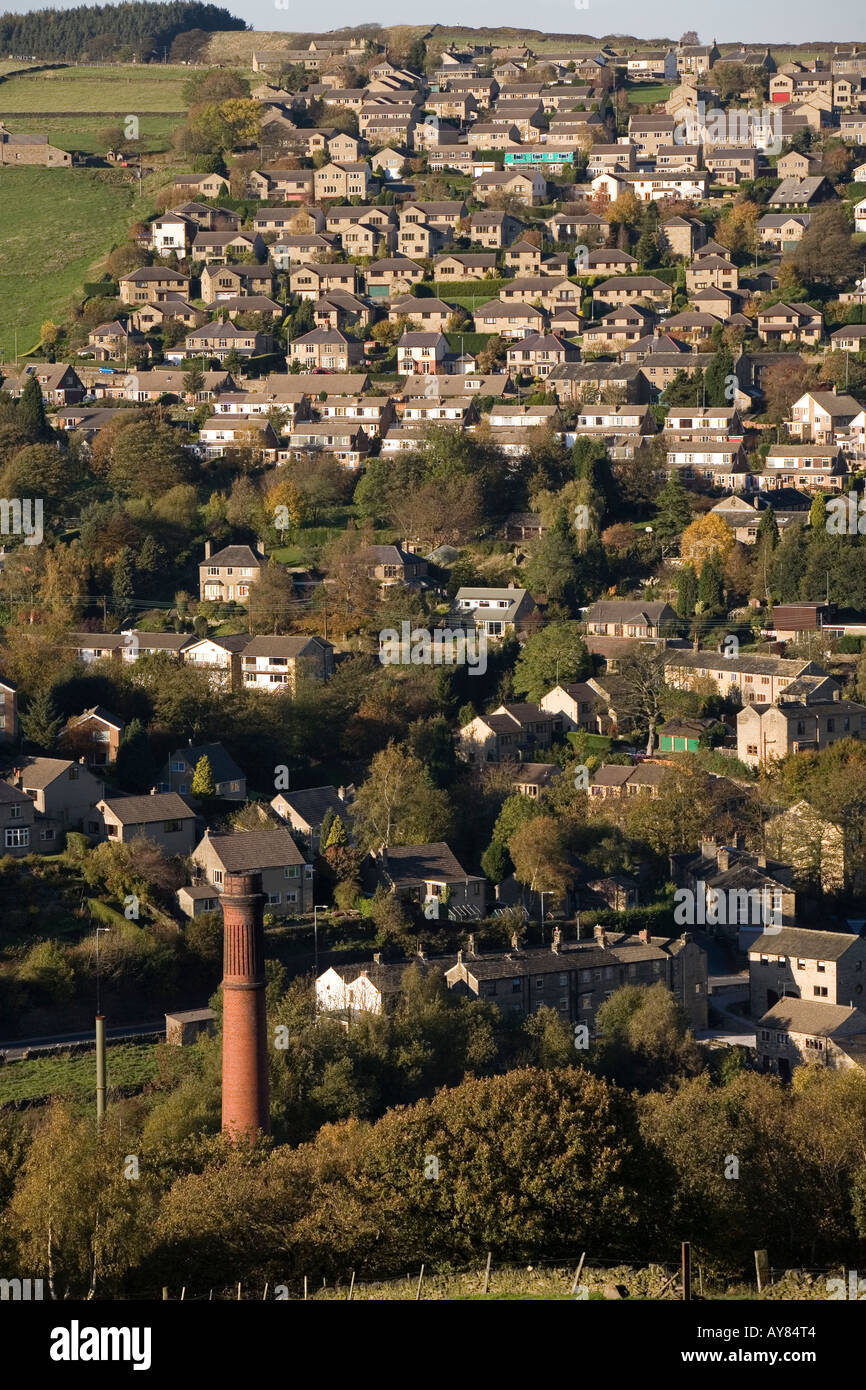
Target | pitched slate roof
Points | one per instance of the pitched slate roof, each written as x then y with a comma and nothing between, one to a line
406,865
138,810
248,850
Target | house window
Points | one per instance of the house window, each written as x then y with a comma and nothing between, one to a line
18,837
820,991
274,899
515,986
171,827
539,983
14,812
293,871
217,875
821,967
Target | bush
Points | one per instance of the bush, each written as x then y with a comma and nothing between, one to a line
77,845
46,967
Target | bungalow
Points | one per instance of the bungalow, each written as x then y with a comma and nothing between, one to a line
628,618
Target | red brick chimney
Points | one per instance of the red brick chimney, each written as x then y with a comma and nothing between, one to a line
246,1092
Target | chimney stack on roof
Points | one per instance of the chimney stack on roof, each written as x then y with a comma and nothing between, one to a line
208,549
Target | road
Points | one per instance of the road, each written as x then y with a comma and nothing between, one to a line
129,1030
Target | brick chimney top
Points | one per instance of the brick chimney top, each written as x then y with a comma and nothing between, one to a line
644,935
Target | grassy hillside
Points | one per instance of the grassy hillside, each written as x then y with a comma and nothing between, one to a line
119,90
130,1065
85,134
55,224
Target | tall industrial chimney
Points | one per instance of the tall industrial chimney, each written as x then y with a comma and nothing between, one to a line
246,1091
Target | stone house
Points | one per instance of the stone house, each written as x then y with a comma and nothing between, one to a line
162,817
287,880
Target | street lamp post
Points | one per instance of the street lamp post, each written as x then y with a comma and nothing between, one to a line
317,907
100,1041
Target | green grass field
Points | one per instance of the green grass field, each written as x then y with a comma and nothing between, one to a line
129,1064
120,90
55,224
85,134
640,93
